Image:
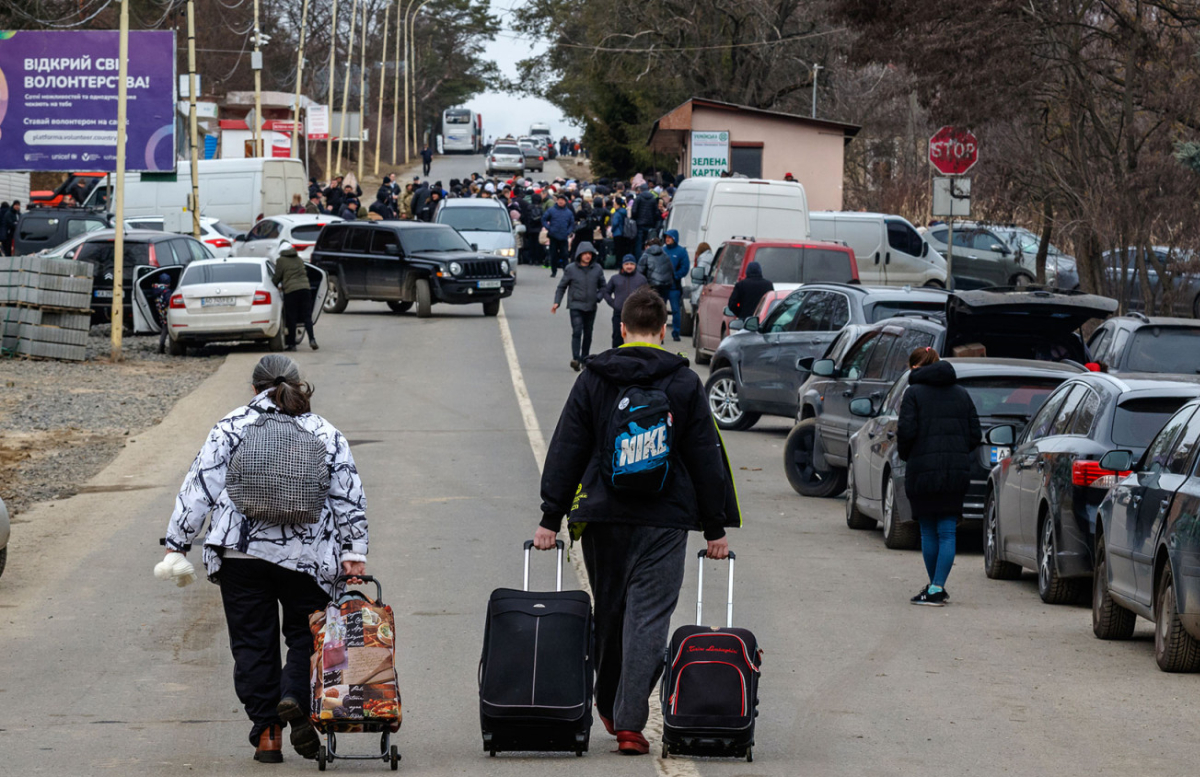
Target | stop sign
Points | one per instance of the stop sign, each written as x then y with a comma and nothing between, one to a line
953,150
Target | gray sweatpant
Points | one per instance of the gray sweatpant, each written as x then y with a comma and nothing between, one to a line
635,573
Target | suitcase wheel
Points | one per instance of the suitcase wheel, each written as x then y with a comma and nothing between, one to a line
581,742
322,758
749,755
664,750
394,757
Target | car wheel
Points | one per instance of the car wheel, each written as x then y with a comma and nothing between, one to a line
400,307
276,343
934,285
1052,588
176,347
722,392
897,534
701,357
1196,307
855,518
3,559
491,308
686,325
802,472
1109,619
993,566
424,298
1174,649
335,297
1020,280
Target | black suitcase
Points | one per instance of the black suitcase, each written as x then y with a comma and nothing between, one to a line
535,674
710,686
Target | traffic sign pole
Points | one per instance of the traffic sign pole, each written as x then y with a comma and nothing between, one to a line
953,151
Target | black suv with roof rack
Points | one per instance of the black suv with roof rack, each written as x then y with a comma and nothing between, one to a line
404,263
1139,343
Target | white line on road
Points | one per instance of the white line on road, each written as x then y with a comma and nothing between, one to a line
670,767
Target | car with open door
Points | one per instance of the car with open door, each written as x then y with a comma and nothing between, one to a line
1004,391
1148,547
1043,497
265,238
222,300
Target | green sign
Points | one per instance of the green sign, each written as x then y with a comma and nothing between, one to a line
709,153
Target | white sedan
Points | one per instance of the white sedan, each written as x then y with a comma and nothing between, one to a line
222,300
299,229
214,233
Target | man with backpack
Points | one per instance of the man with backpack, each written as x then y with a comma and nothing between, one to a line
657,267
680,264
635,464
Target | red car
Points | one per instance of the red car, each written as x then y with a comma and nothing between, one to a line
782,261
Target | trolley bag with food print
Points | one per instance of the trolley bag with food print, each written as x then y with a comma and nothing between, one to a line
535,674
353,678
710,685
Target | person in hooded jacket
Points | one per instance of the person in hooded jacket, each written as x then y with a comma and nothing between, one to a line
584,231
749,291
291,278
584,279
644,212
429,205
680,265
635,544
620,285
559,221
657,267
936,434
531,218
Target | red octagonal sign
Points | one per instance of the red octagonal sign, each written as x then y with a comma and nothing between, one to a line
953,150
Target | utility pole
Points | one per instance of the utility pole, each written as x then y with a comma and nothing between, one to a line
118,299
407,71
411,78
192,131
299,72
346,85
256,64
816,69
329,94
362,96
382,82
396,80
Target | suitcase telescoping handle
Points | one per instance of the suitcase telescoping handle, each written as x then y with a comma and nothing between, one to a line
558,577
342,581
700,592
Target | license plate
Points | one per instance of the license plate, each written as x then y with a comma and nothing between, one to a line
1000,453
217,302
102,293
489,285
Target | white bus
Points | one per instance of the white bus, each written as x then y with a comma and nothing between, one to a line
539,129
462,131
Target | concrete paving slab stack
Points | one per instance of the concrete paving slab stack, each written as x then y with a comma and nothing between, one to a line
45,307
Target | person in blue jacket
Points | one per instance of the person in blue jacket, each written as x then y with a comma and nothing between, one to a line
681,265
559,222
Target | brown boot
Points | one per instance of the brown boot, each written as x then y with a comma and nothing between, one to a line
270,746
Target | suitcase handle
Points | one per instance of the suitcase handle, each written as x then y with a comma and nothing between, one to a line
558,577
342,579
700,591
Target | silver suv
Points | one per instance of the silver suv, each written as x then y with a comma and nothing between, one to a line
994,255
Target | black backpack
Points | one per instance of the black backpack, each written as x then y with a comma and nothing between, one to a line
629,227
638,443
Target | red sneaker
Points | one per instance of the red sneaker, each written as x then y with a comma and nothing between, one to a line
632,743
608,725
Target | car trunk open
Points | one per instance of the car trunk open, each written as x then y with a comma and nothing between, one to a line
1023,324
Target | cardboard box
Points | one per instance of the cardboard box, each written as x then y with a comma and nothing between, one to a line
969,351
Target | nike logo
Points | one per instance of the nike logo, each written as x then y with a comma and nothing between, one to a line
639,407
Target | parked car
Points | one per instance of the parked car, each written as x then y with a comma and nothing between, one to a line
889,250
214,233
1062,271
757,369
1184,287
223,300
41,228
1147,544
535,158
1004,391
1040,511
781,262
144,248
505,158
981,257
406,262
4,532
483,222
266,237
1136,343
1013,324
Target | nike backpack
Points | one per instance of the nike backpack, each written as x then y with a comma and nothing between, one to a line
641,430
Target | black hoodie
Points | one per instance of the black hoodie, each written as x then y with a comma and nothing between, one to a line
696,495
937,433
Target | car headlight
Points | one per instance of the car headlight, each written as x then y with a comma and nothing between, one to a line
455,268
507,252
504,265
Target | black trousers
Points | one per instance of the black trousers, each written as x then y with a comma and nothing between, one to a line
582,322
559,251
253,591
297,310
618,341
425,165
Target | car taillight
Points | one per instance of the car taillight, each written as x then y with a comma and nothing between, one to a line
302,246
219,242
541,159
493,159
1091,474
262,298
177,302
153,257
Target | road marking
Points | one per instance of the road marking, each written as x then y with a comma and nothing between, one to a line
669,767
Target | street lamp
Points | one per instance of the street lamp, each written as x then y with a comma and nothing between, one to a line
329,96
299,72
410,78
396,81
346,86
382,81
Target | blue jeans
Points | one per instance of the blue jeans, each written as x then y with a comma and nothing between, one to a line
675,297
937,546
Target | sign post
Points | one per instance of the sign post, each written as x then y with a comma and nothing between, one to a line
952,151
709,152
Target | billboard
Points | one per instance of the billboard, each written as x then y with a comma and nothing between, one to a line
58,100
709,154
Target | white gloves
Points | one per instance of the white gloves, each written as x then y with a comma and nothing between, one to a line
176,567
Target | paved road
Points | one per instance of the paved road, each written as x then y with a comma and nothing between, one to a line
108,671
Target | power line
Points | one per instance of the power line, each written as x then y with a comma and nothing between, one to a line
677,49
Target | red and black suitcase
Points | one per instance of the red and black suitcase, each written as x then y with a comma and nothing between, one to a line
710,685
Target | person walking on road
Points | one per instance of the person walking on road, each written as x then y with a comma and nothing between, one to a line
426,159
657,267
559,221
582,284
680,264
749,291
291,278
634,528
644,213
620,285
303,531
937,433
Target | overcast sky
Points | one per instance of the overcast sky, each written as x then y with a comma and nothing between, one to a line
505,114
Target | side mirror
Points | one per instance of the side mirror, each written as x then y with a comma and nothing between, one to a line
750,324
862,407
999,249
804,364
474,246
392,249
1001,435
699,275
240,237
824,368
736,325
1117,461
728,311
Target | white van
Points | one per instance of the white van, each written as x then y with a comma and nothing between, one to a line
239,192
15,186
889,250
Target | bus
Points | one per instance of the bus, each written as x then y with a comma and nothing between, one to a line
462,131
537,130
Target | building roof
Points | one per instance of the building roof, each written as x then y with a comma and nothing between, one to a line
668,129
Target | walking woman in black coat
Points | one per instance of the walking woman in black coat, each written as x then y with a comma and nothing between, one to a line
937,432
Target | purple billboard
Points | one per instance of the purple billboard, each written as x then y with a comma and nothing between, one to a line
58,100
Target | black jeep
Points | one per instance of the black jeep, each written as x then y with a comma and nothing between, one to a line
402,263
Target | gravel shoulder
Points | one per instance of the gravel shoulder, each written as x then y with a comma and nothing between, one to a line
62,422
